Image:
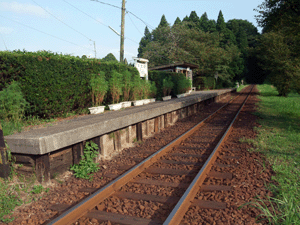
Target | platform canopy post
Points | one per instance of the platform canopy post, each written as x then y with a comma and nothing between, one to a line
4,164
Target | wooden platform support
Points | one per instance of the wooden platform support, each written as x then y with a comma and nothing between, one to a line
4,164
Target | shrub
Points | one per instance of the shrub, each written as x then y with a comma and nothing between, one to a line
115,86
183,85
12,102
99,88
167,86
153,89
127,85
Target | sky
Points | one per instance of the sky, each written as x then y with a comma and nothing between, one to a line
81,27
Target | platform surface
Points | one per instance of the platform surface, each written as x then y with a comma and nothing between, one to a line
69,132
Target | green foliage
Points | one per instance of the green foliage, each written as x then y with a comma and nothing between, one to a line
138,89
221,25
12,103
115,86
8,201
109,58
99,87
127,85
87,165
167,86
280,59
203,83
54,84
278,138
37,189
183,84
153,89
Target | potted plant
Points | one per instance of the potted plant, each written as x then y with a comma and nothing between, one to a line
183,85
127,87
115,90
99,88
137,92
153,91
146,91
167,88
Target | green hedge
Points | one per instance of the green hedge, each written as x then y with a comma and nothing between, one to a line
54,84
202,83
158,76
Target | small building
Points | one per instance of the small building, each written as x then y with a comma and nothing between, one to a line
142,66
179,67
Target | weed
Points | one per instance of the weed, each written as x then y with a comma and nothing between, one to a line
87,165
38,189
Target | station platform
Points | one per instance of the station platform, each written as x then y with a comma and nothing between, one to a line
127,125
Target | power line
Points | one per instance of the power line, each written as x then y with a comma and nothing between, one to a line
46,33
85,13
63,22
134,25
147,24
107,4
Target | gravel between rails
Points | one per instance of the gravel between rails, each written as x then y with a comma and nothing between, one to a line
248,180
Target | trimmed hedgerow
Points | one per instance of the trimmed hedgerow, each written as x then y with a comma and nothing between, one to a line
54,84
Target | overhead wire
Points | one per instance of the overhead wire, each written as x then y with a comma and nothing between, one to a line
85,13
46,33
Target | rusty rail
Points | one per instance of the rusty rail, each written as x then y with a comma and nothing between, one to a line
74,213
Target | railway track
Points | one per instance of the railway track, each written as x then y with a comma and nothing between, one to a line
167,183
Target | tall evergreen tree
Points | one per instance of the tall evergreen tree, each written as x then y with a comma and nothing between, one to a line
144,41
177,21
194,17
221,25
163,22
204,22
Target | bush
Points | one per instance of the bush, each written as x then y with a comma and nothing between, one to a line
167,86
115,86
183,84
99,88
127,85
12,103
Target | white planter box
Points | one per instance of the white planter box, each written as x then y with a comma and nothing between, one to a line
126,104
167,98
138,102
115,107
181,95
97,109
146,101
152,100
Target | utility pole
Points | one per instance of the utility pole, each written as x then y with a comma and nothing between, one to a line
122,32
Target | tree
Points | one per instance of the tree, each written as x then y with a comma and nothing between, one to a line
163,22
109,58
278,58
275,14
279,49
203,22
144,41
177,21
221,25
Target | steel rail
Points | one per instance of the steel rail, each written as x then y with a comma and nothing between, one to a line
185,201
74,213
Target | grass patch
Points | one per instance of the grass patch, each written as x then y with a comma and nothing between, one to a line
241,87
279,139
